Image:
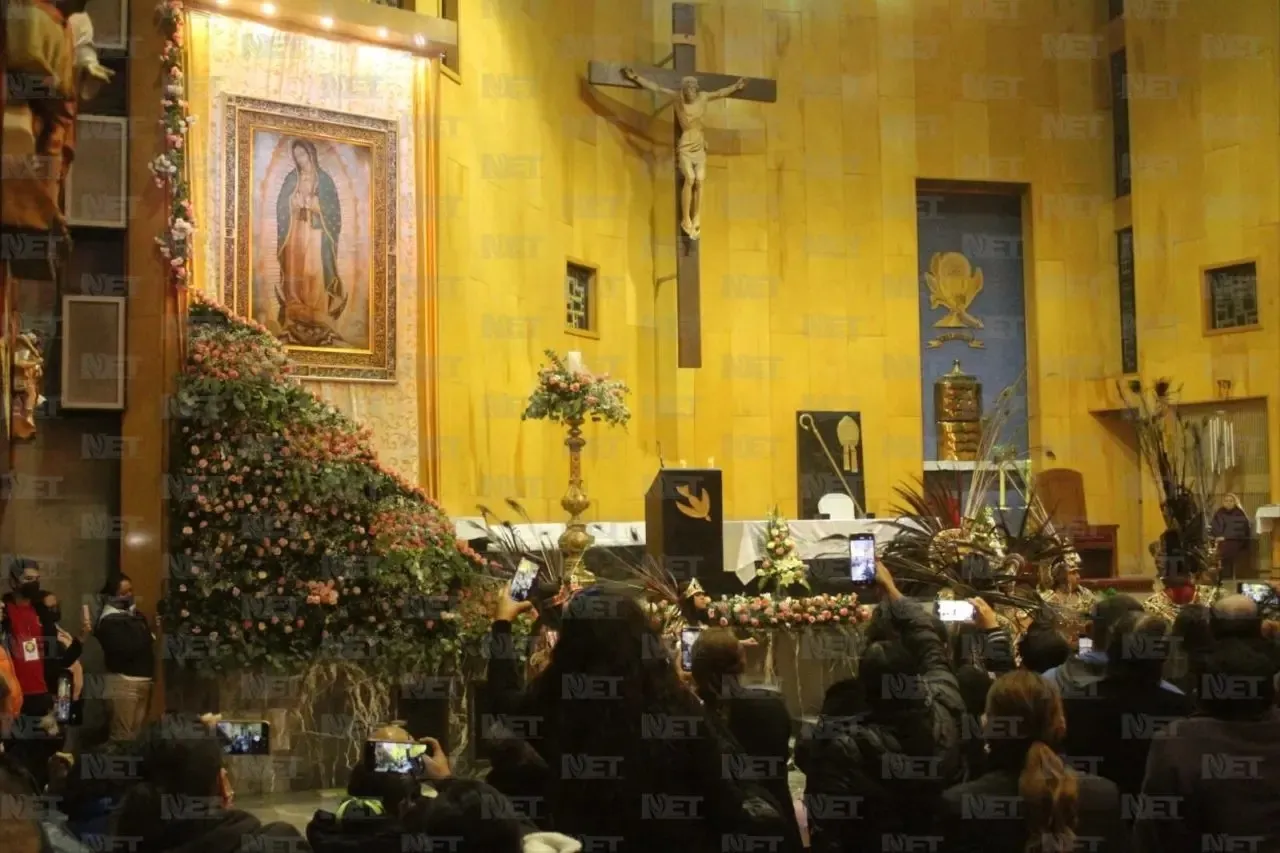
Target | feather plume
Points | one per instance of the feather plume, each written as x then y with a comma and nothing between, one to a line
1174,453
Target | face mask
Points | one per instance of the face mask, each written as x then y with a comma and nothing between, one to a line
55,613
122,602
29,589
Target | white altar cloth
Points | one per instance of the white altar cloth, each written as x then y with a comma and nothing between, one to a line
741,538
1266,518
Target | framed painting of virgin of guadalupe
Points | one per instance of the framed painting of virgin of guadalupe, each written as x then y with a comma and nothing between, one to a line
310,234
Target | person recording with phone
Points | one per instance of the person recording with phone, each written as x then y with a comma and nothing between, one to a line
181,761
610,679
897,759
378,799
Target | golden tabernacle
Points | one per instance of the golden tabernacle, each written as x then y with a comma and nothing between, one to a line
957,400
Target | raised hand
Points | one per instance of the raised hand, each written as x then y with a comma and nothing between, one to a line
435,764
983,616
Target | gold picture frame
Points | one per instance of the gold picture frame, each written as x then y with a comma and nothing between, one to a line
310,201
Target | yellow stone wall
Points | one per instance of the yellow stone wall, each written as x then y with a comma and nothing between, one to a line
809,246
1205,113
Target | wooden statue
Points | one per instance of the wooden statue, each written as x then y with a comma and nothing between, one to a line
691,151
90,73
28,379
45,59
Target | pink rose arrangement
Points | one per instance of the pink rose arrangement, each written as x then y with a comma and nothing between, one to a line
752,612
563,395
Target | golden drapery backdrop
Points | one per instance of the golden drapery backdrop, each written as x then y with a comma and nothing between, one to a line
227,56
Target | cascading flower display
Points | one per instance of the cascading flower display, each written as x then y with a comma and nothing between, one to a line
291,541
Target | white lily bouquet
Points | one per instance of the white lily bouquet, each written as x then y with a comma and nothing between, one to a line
781,565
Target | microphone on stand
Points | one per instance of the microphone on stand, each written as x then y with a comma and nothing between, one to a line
661,464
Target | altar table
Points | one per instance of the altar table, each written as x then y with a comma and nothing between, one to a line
1267,521
741,538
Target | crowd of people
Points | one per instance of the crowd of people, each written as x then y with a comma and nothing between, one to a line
1153,737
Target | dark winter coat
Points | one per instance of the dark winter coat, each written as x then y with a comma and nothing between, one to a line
869,778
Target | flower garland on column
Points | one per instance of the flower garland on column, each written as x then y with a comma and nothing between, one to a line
169,168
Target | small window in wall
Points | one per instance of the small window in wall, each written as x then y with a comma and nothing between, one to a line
1231,298
452,60
580,300
1120,123
1128,302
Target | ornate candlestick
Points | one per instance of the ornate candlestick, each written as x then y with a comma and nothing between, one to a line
576,540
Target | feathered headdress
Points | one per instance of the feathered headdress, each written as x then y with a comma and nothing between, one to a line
948,538
1174,451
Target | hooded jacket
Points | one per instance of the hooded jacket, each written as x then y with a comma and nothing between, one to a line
868,777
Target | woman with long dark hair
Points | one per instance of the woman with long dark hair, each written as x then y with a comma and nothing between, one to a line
614,748
753,721
1028,800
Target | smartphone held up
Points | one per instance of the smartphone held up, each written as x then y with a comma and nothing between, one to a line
862,559
245,737
955,611
385,756
688,637
522,580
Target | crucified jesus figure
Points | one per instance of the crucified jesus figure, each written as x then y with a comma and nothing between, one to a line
691,150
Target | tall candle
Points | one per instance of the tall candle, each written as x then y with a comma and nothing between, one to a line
711,462
574,362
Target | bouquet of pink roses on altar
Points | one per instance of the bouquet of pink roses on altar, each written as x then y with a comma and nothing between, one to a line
565,394
765,611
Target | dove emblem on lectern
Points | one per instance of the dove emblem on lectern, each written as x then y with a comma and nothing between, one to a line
699,505
953,284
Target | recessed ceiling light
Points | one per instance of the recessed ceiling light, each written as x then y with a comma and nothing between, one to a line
420,40
268,8
223,2
382,32
327,23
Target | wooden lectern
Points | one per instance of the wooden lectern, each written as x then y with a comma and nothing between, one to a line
684,527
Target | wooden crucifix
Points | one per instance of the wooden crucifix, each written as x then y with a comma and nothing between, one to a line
692,91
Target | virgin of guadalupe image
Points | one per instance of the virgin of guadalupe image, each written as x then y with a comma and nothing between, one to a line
311,294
